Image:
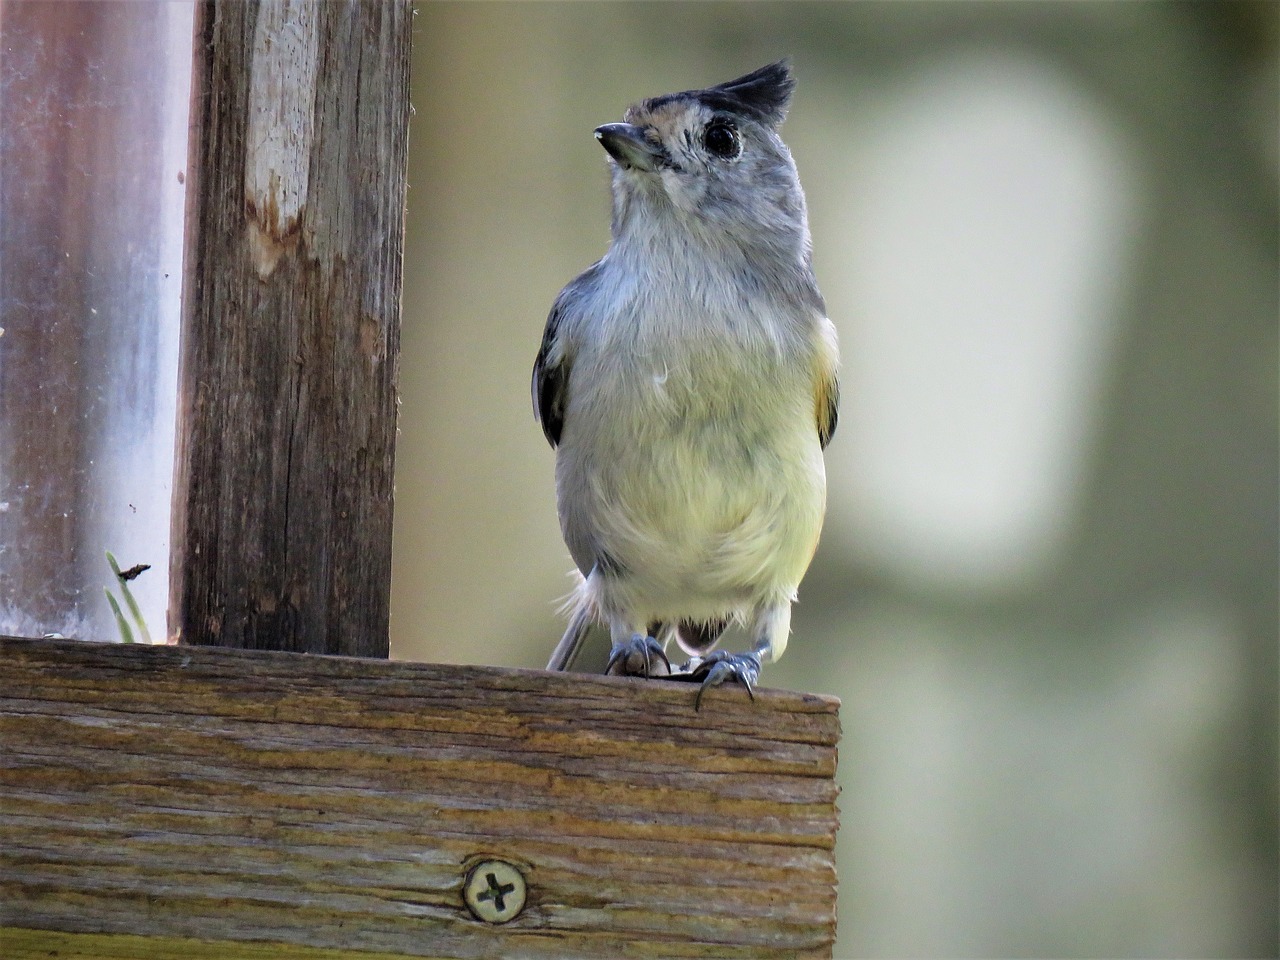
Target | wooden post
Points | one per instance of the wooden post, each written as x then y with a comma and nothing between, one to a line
287,386
204,803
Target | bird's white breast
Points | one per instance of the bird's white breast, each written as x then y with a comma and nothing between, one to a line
690,454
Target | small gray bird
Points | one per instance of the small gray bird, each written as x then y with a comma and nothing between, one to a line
687,381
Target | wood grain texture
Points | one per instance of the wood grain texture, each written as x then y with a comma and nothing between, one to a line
337,803
287,385
17,943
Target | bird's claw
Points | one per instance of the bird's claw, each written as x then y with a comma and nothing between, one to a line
717,667
638,657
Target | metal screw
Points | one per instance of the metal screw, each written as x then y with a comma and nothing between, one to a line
494,891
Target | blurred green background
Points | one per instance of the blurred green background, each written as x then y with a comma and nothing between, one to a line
1047,589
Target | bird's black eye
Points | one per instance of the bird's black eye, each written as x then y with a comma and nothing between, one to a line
721,140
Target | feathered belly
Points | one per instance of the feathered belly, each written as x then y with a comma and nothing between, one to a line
707,510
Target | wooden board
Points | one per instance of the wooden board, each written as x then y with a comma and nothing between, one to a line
337,803
291,327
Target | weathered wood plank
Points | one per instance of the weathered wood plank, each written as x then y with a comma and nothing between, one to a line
26,944
287,383
338,803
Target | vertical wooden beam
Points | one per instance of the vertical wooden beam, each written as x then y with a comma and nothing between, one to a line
290,341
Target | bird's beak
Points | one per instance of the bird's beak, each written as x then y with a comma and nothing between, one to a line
626,143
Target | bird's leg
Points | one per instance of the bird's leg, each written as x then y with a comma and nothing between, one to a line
635,653
772,626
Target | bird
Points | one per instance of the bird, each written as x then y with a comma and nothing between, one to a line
688,382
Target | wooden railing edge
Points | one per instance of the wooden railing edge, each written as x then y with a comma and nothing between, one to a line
334,803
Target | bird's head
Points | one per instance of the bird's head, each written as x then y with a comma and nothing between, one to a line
711,161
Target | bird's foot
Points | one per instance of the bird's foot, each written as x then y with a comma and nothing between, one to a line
717,667
640,656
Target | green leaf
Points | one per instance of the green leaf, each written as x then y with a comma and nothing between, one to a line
134,610
125,633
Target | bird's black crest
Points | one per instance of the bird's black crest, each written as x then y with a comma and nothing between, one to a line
762,94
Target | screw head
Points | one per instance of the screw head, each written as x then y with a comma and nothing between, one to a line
494,891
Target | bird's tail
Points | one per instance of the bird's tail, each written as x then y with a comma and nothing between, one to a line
570,645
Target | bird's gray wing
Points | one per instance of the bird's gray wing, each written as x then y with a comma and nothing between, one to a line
551,378
551,369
